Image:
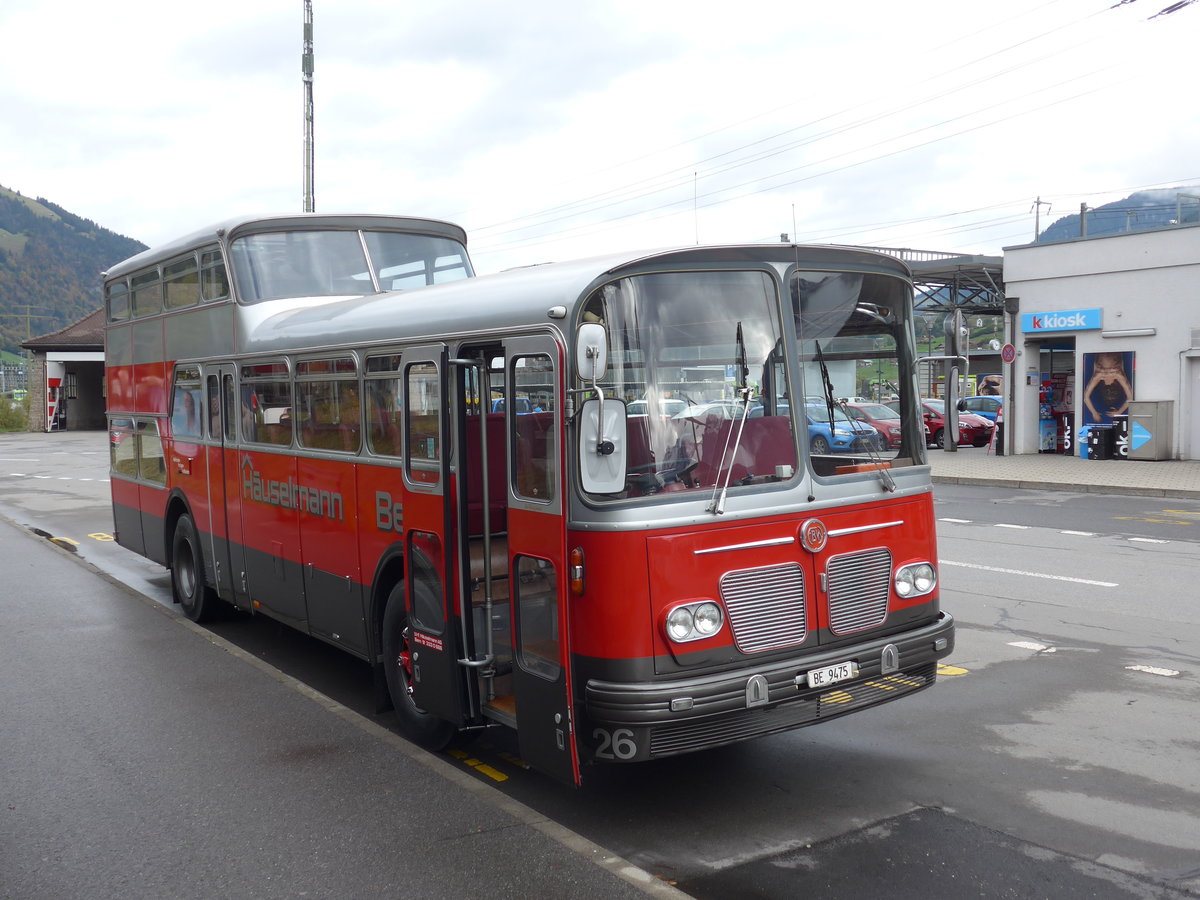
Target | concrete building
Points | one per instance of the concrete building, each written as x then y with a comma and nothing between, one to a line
1101,322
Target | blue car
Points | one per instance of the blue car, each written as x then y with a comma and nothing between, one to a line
846,435
988,407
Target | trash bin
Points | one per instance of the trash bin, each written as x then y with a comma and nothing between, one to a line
1120,437
1101,441
1083,441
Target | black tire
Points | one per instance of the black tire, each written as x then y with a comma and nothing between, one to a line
418,726
820,446
195,598
939,439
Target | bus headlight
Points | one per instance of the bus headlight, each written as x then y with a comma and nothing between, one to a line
679,623
916,579
707,619
694,621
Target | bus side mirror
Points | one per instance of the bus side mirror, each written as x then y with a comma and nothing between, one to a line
602,460
591,352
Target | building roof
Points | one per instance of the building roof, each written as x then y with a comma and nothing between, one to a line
86,334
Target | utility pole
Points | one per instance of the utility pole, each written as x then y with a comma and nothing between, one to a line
1037,216
306,69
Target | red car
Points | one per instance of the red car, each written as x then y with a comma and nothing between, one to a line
882,418
973,430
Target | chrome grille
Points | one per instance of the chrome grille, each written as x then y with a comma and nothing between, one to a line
766,607
858,587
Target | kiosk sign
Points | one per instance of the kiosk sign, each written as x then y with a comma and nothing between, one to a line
1063,320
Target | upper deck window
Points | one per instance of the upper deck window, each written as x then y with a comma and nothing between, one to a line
406,261
118,301
214,280
147,293
181,282
332,263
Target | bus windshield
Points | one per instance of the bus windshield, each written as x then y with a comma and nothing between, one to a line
697,356
699,360
335,263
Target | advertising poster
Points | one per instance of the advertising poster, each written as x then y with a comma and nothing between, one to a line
1108,386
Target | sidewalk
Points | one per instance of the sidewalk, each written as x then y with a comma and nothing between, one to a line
142,756
1055,471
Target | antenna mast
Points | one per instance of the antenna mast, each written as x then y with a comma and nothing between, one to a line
306,69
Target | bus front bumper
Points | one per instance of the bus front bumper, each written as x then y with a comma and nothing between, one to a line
666,718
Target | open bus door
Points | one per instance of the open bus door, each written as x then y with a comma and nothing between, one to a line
538,556
431,557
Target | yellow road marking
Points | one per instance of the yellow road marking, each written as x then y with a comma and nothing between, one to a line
478,765
950,670
101,536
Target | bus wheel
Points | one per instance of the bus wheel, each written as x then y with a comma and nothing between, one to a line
420,727
194,597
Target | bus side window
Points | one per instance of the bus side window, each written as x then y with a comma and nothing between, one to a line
186,408
383,426
534,452
422,414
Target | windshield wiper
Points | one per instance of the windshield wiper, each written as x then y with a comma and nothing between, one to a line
885,477
716,505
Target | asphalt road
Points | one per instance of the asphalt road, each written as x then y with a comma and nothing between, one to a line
1059,759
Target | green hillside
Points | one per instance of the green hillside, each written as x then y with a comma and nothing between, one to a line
50,265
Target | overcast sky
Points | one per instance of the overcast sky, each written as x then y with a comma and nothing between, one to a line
553,129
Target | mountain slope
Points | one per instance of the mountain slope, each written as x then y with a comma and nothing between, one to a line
50,265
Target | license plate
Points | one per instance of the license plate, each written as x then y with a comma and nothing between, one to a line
823,677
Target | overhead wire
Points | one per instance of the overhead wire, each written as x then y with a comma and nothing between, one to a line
506,234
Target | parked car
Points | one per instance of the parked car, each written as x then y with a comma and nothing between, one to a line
666,407
884,420
988,407
973,430
845,435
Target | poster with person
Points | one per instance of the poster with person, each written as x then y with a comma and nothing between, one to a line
1108,380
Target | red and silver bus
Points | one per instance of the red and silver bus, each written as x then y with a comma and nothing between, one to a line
611,504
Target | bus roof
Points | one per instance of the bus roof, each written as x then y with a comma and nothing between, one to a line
522,297
223,232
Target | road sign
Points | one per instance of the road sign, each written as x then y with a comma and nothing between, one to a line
1008,353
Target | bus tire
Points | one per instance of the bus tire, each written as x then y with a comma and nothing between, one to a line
417,725
195,598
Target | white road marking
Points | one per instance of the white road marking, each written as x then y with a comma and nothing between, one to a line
1006,525
965,565
1080,533
957,521
1154,670
1031,645
1148,540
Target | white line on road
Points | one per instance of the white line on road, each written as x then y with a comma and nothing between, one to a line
1080,533
957,521
1149,541
964,565
1154,670
1006,525
1030,645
